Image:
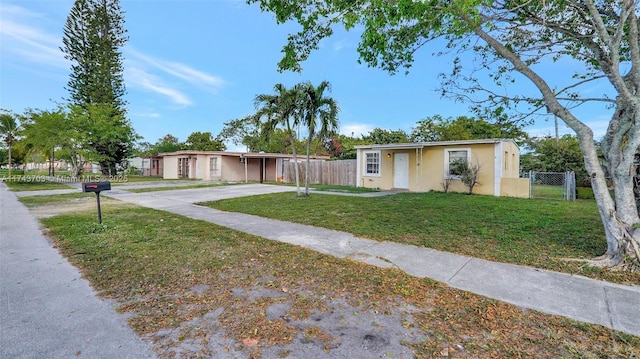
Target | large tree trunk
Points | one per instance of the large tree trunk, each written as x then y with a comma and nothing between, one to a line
77,165
619,213
307,169
9,159
619,216
108,168
297,171
295,163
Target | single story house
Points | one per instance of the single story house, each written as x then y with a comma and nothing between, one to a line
147,165
424,166
228,166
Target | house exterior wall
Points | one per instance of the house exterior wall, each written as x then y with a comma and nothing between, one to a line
253,169
515,187
228,167
499,168
271,170
170,167
510,160
232,170
198,167
153,166
481,155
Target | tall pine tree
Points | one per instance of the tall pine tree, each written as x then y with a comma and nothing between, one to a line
93,36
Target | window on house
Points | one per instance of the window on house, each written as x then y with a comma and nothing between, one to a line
453,155
213,167
506,160
372,163
183,167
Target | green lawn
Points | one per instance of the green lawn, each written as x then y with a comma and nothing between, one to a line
34,201
130,178
34,186
329,188
166,271
547,191
537,233
37,172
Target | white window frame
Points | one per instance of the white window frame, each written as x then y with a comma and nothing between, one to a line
447,160
365,155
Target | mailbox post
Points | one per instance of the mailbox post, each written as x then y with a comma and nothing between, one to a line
97,187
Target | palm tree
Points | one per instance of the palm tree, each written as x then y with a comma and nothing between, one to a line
318,111
9,130
281,108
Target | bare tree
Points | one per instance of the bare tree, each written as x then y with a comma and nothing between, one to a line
469,173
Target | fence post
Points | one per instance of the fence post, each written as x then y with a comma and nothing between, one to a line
573,186
530,184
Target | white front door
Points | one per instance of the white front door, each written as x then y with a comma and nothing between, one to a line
401,170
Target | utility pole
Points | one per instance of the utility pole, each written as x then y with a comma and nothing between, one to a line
555,119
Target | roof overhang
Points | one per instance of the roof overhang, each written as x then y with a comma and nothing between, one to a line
238,154
418,145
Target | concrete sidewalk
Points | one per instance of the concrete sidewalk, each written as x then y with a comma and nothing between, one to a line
587,300
46,309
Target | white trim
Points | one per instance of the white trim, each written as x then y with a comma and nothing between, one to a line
497,168
409,145
446,159
364,159
358,167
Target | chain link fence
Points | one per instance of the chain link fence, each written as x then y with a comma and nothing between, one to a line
552,185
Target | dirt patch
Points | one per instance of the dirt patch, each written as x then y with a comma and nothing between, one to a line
71,205
340,330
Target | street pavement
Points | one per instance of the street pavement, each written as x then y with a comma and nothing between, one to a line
47,308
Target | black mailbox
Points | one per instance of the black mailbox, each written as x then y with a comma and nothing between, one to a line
96,186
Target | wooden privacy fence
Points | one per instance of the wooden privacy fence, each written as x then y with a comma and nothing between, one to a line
341,173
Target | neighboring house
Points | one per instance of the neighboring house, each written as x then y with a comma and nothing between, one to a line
227,166
147,165
61,165
424,166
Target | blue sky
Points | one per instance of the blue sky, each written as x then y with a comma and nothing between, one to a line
191,65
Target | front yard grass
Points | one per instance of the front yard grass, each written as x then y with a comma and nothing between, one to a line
189,281
329,188
538,233
34,201
34,185
136,178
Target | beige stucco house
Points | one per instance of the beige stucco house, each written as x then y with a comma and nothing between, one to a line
227,166
424,166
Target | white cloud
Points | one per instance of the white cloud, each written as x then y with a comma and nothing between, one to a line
26,41
341,44
356,129
149,115
181,71
139,78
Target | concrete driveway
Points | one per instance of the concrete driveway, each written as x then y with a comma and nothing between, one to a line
164,199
